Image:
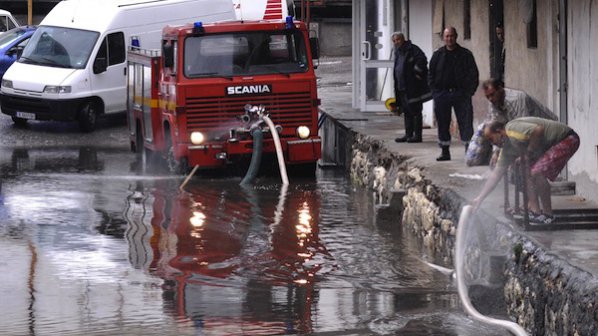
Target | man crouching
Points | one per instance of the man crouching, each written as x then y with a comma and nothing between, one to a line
546,144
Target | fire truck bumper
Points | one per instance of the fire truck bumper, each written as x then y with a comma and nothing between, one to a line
216,155
301,151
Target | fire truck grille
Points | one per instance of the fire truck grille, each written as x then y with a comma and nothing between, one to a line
289,110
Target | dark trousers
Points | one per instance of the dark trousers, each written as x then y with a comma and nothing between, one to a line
412,114
444,102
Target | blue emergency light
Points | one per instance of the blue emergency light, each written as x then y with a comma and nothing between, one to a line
135,42
198,27
289,23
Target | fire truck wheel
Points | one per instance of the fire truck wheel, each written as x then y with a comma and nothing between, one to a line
138,148
88,115
19,121
302,170
175,166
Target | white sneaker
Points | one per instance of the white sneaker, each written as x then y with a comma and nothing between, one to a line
541,218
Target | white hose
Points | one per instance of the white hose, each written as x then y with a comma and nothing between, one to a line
279,155
514,328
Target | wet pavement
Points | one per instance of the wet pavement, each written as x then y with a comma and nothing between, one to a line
578,247
93,243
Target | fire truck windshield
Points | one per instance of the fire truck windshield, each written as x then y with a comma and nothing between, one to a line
245,53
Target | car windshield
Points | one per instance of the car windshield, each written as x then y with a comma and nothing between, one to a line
10,36
59,47
245,53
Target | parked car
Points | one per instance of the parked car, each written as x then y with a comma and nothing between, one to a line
12,43
7,21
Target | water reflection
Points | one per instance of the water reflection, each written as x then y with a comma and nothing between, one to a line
107,251
51,159
232,256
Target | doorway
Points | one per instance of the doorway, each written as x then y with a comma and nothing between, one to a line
373,25
496,32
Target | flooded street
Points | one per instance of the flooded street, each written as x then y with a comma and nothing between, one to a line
92,246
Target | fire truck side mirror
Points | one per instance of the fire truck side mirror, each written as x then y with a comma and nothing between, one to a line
314,44
168,53
99,65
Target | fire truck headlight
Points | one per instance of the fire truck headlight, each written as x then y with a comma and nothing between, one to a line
197,138
303,132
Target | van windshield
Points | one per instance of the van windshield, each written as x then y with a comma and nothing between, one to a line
245,53
59,47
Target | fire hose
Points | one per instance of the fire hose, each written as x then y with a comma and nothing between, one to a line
512,327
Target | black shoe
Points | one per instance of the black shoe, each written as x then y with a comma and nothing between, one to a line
402,139
445,155
414,140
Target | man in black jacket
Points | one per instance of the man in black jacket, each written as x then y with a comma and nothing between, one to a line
411,87
453,79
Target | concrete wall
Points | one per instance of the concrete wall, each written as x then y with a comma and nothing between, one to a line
452,12
335,36
528,69
582,105
535,70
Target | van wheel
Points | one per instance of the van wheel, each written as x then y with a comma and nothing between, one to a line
19,121
88,117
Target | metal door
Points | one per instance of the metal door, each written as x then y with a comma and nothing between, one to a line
372,56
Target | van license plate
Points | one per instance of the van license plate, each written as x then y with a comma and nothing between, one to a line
25,115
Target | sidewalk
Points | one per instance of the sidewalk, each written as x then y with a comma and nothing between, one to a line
578,247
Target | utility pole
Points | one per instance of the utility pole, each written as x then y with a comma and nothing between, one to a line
30,12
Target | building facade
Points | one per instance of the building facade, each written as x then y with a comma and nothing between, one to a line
548,53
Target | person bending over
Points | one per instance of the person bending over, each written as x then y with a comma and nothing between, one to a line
546,144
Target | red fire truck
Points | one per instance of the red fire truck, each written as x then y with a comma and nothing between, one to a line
188,101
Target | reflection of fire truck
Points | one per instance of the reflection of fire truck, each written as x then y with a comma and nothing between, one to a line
227,255
186,101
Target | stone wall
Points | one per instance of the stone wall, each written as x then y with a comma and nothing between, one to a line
543,293
430,214
547,295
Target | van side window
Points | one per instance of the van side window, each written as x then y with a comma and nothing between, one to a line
113,49
116,48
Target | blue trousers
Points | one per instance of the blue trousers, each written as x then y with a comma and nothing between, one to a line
444,102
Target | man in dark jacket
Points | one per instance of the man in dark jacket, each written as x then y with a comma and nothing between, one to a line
411,87
453,79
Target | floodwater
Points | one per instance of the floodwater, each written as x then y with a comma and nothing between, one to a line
91,246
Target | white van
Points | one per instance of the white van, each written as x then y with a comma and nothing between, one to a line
74,67
7,21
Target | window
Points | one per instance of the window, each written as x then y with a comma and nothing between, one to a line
147,98
131,94
245,53
116,48
532,27
6,23
59,47
113,49
467,19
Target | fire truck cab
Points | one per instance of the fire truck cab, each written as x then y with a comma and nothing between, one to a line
188,101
